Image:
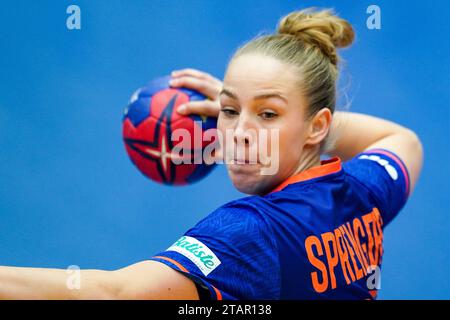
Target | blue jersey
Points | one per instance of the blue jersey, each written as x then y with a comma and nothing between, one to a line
319,235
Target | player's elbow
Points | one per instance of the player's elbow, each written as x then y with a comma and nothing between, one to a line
119,285
413,156
96,285
415,146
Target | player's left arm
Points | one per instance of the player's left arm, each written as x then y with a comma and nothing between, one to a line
143,280
354,133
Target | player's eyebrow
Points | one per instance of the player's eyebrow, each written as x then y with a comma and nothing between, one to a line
267,95
228,93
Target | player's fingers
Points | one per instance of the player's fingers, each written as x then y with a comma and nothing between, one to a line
194,73
189,72
206,107
206,87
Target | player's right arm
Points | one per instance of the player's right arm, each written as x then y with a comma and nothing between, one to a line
143,280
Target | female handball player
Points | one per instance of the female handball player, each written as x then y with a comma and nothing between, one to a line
311,230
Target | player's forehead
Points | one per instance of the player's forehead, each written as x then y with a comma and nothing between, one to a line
251,75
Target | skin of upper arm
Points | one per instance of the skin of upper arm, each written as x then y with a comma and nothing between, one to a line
407,145
152,280
357,132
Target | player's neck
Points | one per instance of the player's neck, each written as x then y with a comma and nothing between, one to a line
310,158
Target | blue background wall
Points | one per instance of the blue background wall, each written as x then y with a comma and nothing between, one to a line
70,195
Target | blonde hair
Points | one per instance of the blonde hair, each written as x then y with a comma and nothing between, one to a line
308,40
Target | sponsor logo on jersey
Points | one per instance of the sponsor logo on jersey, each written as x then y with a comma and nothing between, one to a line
197,252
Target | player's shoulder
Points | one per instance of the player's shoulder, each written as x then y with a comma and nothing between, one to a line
235,215
259,206
382,174
373,163
243,206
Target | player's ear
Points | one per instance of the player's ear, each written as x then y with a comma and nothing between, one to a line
319,126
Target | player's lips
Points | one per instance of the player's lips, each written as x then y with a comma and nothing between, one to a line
243,168
244,161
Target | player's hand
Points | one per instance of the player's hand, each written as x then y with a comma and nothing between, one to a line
202,82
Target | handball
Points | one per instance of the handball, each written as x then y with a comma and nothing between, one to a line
165,146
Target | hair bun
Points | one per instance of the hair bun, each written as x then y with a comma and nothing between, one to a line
319,28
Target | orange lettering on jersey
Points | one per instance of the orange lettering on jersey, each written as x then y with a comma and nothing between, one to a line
353,252
359,234
378,235
343,255
317,285
331,254
350,249
367,219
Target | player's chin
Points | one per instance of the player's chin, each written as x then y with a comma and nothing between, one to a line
247,178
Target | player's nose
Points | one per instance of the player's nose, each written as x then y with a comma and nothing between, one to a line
244,131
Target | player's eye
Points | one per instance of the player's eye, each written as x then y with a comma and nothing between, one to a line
229,112
267,115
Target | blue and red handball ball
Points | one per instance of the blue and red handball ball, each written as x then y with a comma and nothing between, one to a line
148,124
